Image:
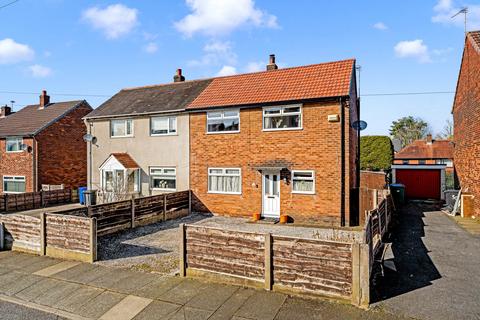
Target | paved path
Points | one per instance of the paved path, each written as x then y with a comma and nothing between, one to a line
86,291
438,268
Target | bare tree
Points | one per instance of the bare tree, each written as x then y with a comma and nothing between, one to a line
447,131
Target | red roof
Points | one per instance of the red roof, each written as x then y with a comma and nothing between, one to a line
421,149
332,79
126,160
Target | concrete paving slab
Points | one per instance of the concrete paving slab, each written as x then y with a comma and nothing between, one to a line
212,297
23,261
262,305
183,292
7,278
126,309
21,284
39,264
133,282
5,254
74,272
32,292
108,279
88,276
12,261
97,306
57,293
56,268
4,270
76,300
187,313
158,287
228,309
158,310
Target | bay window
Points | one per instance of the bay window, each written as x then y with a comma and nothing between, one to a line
225,180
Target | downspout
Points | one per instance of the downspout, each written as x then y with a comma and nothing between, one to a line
35,163
342,164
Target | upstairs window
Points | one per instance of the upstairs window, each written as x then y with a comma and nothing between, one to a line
223,121
121,128
282,118
14,144
161,126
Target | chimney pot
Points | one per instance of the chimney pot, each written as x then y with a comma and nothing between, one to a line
271,64
178,77
44,99
5,111
429,139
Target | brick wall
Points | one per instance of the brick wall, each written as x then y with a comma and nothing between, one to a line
17,164
316,147
62,153
466,124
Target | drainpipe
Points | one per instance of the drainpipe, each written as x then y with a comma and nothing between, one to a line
342,164
35,163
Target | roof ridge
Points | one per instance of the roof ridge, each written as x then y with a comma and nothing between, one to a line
52,103
237,75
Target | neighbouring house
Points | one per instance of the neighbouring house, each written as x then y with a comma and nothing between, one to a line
278,142
42,144
466,112
141,144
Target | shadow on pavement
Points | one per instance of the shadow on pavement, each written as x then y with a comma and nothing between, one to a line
414,268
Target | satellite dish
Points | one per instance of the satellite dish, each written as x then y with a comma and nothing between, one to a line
359,125
89,138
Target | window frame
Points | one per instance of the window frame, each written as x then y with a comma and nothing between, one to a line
282,107
224,170
222,111
14,178
19,144
126,120
309,179
150,175
164,134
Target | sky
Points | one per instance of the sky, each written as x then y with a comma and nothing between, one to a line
91,49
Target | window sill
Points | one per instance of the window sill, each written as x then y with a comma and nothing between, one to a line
19,151
163,135
223,132
305,193
119,137
158,189
282,129
226,193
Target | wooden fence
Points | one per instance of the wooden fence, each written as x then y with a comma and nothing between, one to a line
286,264
54,235
10,202
369,200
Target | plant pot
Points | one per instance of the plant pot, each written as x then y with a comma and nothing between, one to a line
256,217
283,218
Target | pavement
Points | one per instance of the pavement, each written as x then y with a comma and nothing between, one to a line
437,268
46,288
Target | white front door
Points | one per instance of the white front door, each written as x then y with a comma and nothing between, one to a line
271,194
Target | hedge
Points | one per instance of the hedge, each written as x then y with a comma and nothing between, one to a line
376,153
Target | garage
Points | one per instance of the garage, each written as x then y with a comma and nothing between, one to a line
421,181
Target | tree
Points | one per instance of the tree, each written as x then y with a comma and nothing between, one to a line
408,129
376,153
447,131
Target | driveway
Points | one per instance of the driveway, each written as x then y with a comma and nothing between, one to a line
437,268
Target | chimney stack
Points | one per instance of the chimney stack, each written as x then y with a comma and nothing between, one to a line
178,76
429,139
5,111
271,64
44,99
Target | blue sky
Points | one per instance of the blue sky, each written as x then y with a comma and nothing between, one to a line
89,48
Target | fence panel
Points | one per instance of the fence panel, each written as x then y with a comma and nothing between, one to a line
112,217
33,200
22,233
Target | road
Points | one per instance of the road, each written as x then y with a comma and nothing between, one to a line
12,311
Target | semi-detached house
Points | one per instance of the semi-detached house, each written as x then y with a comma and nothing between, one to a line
275,142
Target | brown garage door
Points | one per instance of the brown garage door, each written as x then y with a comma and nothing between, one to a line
420,183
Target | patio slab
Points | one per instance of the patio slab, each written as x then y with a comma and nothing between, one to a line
262,305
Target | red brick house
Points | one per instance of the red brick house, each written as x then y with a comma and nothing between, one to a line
466,112
277,142
43,144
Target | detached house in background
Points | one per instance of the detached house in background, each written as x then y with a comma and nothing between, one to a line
42,144
466,113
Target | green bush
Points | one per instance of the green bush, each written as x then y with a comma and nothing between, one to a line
376,153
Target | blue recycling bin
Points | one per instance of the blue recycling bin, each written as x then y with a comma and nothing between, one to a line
81,194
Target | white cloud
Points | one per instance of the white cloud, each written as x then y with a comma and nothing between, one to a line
216,53
380,26
255,66
413,49
114,21
445,9
226,71
13,52
214,18
39,71
151,47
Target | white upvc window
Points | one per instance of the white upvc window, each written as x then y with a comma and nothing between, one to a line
448,162
303,181
225,180
162,126
13,144
223,121
164,179
121,128
287,117
113,180
14,184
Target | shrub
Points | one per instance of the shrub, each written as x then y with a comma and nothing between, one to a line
376,153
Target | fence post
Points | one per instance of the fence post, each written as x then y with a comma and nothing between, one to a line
189,202
165,207
93,239
364,263
2,236
356,292
43,238
375,198
42,199
5,200
132,204
182,250
268,261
